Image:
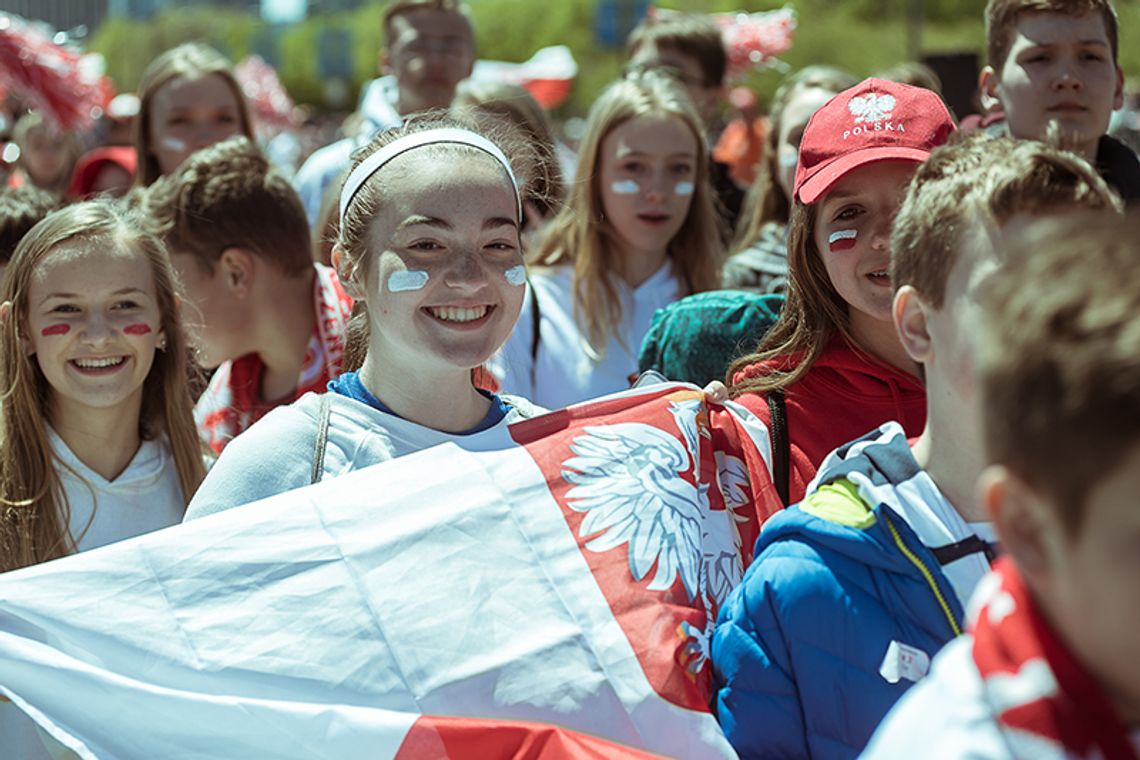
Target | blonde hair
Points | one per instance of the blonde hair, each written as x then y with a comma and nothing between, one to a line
514,103
34,513
975,178
1059,356
582,237
192,61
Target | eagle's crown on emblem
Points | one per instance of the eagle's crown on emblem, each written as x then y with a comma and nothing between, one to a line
870,108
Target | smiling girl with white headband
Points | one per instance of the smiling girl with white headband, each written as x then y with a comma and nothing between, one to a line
638,232
429,248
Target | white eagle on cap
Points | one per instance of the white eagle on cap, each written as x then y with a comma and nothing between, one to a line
871,108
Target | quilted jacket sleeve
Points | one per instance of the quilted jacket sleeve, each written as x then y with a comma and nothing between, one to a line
757,700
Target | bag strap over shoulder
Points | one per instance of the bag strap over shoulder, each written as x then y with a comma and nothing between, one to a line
781,449
535,321
322,438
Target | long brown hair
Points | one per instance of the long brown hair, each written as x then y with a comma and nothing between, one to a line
34,513
812,315
192,60
582,237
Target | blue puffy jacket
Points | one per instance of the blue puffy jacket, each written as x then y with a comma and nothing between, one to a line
799,645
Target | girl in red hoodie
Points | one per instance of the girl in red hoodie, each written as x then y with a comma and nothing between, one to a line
832,366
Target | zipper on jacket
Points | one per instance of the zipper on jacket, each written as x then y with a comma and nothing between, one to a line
925,574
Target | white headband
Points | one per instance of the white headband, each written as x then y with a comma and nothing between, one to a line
370,165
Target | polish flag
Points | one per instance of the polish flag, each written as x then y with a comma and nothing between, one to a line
543,592
841,240
548,74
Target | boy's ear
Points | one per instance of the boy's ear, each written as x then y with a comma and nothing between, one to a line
909,312
382,60
347,274
1021,520
237,266
1118,96
988,82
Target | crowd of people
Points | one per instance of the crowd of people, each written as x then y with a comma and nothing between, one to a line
941,335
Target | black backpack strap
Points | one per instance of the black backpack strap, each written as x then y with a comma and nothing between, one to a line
535,320
322,439
778,437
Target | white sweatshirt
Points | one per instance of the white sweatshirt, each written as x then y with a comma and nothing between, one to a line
276,454
145,497
563,372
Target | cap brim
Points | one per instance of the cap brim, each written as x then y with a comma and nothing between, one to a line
820,182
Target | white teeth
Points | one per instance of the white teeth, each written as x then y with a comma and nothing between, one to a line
97,363
880,273
457,313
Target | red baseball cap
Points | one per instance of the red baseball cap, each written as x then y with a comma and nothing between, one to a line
875,120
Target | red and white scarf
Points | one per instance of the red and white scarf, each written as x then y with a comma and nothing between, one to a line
233,402
1044,700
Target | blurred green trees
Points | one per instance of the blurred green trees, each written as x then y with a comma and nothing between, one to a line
862,36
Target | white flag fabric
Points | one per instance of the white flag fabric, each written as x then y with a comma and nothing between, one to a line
568,579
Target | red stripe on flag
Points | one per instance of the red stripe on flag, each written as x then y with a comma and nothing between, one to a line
438,737
653,619
549,93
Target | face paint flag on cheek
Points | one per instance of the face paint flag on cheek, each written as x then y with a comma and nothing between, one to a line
55,330
841,240
139,329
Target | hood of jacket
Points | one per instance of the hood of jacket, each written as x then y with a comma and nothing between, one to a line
855,507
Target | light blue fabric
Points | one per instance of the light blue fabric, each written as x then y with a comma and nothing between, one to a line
378,107
799,644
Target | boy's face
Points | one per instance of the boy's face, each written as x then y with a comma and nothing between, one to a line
429,52
1059,68
706,97
1088,582
214,318
952,329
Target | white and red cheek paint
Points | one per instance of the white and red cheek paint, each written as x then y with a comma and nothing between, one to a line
173,143
842,240
683,188
51,330
137,329
625,187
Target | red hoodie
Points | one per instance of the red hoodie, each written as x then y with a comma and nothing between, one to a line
843,396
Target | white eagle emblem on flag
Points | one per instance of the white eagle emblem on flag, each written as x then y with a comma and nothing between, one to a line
626,478
871,108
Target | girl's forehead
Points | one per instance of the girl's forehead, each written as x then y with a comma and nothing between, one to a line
650,133
94,258
443,175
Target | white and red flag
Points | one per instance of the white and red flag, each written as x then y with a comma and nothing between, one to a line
550,597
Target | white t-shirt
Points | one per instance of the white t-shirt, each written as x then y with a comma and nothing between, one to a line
562,372
145,497
276,454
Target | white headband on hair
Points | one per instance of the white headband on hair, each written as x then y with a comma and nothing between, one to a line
372,164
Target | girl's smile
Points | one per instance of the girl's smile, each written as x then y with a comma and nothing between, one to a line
93,326
647,167
445,284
